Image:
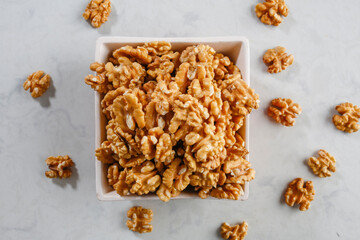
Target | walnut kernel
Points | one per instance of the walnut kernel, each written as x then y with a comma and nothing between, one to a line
277,60
284,111
236,232
38,83
140,219
300,193
98,11
59,166
270,11
349,118
323,165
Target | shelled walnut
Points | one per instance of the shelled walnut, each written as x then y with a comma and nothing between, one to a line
284,111
98,12
236,232
323,165
59,167
270,11
348,121
300,193
140,219
174,120
38,83
277,60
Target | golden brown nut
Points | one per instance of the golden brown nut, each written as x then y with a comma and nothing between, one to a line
140,219
37,83
158,47
284,111
236,232
348,121
99,83
228,191
300,193
139,54
59,166
277,60
270,11
104,152
323,165
98,11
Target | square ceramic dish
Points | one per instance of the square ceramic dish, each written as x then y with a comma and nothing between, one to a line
236,48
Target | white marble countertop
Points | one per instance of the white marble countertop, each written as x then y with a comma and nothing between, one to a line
323,36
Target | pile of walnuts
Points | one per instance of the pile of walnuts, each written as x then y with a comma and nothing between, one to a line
174,121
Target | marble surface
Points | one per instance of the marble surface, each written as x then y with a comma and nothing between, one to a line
51,35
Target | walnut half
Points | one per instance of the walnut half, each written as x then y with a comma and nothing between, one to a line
140,219
236,232
323,165
38,83
59,166
270,11
348,121
284,111
98,11
277,60
300,193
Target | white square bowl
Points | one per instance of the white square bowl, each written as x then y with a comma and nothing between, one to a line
236,48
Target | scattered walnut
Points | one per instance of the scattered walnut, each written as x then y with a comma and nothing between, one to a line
140,219
323,165
174,119
277,60
349,118
98,11
284,110
269,12
59,167
236,232
300,193
37,83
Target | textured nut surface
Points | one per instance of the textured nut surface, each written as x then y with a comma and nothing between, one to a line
174,119
236,232
59,166
284,111
98,12
38,83
277,60
140,219
270,11
348,121
323,165
300,193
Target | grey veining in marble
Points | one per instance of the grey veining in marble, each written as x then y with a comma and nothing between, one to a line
324,37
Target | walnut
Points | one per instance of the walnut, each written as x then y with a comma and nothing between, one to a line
164,152
128,112
177,175
228,191
118,146
323,165
143,179
277,60
162,67
113,174
140,54
284,110
236,232
128,75
108,100
59,166
223,67
349,118
99,83
148,143
300,193
204,179
120,186
140,219
270,11
158,47
165,193
241,98
98,11
104,153
38,83
203,54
